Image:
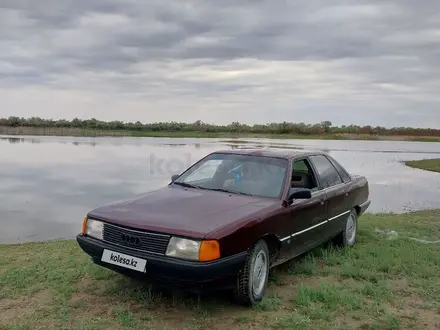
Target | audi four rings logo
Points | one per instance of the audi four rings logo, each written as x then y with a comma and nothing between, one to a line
130,240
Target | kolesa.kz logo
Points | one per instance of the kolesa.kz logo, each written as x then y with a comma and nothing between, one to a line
125,261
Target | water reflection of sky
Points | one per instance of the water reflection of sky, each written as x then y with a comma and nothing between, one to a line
47,184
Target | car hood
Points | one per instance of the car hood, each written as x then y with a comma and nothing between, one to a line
180,211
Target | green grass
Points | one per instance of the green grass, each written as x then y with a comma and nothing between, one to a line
384,282
56,131
425,164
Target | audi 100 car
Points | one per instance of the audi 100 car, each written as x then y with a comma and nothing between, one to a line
228,219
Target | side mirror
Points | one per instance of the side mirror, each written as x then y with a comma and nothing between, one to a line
174,177
299,193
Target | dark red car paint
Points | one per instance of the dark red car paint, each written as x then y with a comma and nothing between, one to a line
237,221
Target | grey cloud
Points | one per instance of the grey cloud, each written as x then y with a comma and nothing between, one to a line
381,53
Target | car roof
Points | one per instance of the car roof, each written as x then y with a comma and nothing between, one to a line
272,153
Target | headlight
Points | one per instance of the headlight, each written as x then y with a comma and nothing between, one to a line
93,228
193,250
183,248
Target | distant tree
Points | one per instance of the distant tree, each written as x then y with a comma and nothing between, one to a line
327,126
324,127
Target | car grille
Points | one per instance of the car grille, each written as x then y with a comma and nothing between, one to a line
139,240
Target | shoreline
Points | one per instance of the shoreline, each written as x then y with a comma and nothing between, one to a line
429,164
76,132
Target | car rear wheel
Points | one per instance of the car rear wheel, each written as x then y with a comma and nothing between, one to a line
252,280
349,233
347,237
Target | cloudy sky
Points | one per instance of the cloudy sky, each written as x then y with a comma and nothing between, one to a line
363,62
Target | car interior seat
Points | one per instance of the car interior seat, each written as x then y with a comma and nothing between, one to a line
301,181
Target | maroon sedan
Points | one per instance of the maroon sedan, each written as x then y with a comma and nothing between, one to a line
226,220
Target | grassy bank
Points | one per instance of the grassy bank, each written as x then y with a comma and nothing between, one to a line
425,164
53,131
388,281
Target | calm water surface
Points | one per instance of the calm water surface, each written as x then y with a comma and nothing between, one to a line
48,184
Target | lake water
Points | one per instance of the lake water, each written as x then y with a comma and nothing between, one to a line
48,184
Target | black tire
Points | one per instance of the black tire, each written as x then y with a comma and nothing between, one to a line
244,291
347,238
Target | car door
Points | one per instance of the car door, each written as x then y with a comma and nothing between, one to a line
336,192
306,217
350,196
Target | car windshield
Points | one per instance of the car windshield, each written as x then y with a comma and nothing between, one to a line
240,174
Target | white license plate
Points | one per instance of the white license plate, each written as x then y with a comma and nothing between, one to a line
124,260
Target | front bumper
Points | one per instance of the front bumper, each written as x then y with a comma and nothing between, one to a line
170,272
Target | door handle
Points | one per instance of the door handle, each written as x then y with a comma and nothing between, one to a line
322,201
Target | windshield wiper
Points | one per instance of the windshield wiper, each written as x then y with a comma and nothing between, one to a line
187,185
230,191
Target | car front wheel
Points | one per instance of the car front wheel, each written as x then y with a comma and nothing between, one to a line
252,280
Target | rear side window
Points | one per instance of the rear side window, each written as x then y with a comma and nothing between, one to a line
342,172
326,171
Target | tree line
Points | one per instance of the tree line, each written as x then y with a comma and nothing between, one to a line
322,128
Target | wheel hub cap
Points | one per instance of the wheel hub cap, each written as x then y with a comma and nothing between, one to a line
351,228
259,273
